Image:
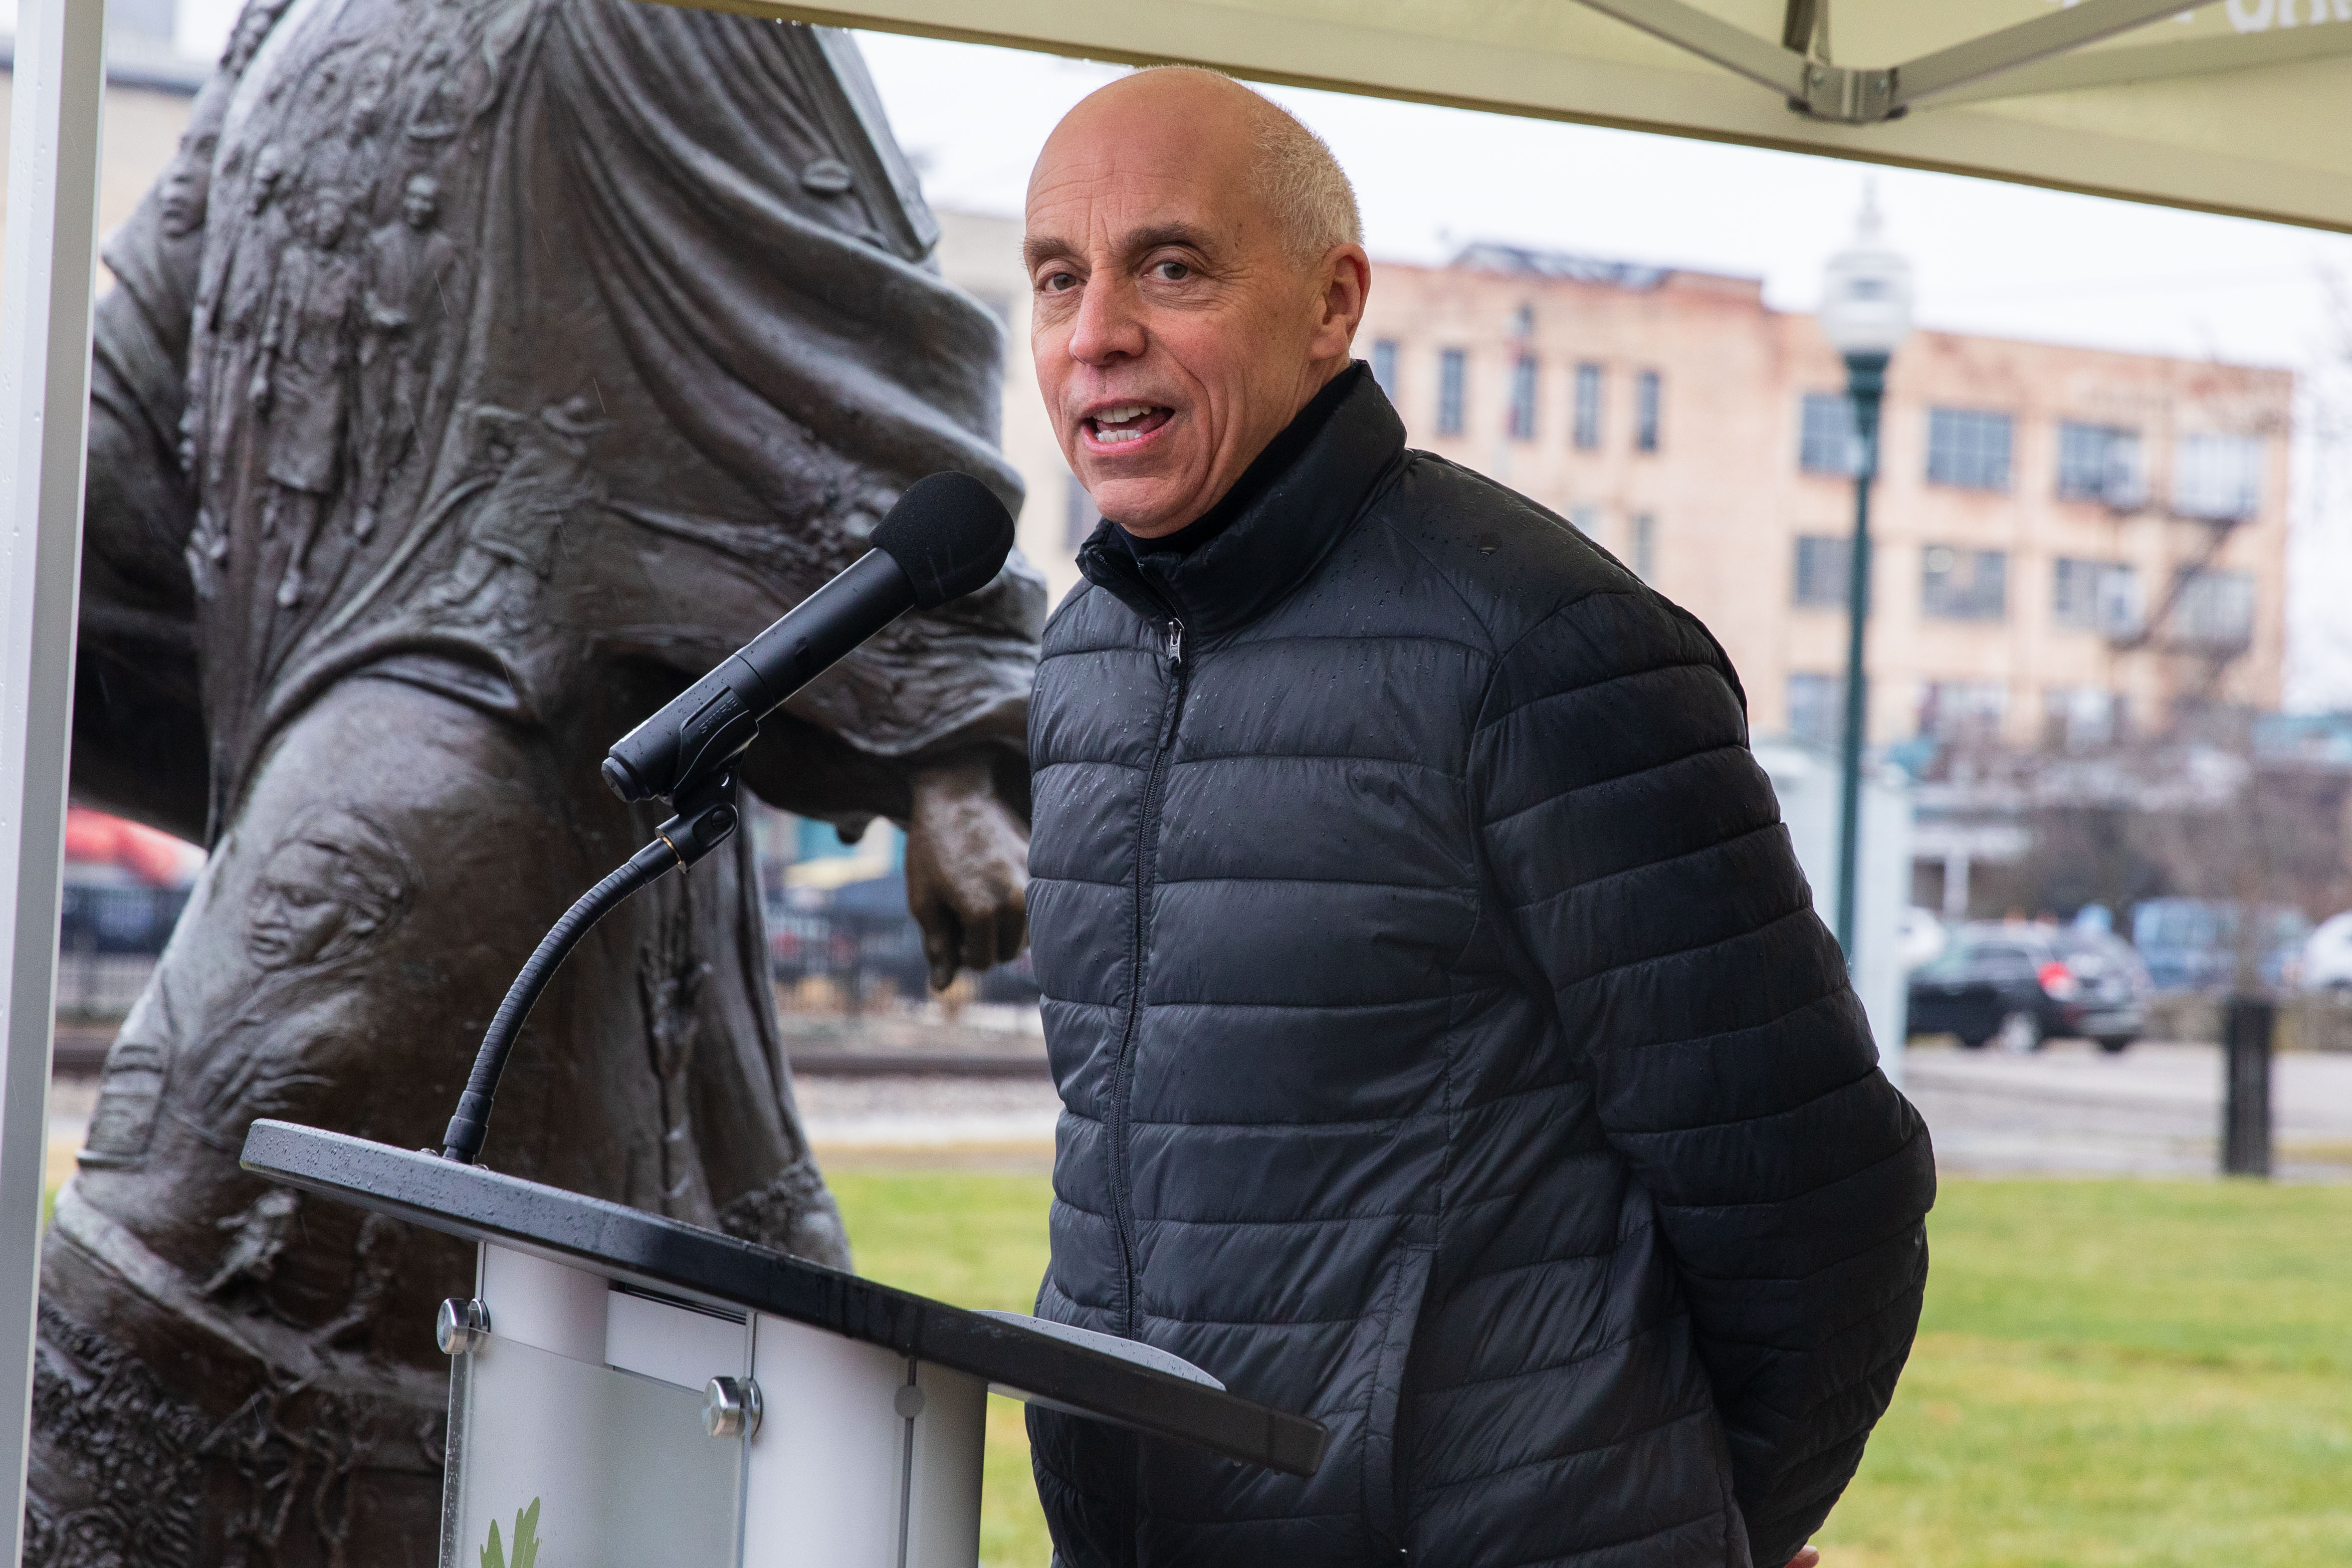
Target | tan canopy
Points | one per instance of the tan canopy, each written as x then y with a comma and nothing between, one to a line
2239,105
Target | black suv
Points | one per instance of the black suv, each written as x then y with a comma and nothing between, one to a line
2024,984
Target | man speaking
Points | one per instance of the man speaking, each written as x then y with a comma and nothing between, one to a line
1448,1046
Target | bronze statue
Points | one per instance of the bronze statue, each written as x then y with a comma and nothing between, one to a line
479,373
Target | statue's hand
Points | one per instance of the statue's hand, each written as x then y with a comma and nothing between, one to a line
967,869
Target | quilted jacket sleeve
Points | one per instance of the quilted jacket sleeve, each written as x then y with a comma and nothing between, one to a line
1635,846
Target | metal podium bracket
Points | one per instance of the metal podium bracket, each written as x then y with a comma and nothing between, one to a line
463,1325
732,1408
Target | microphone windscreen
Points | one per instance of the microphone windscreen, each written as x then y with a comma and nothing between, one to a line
949,534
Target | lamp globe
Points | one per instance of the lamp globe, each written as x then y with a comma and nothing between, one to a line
1866,290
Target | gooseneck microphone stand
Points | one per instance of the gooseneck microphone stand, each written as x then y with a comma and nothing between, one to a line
945,537
706,818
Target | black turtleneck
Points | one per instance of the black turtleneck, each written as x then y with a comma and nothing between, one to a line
1267,466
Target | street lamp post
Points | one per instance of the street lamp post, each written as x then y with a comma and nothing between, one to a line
1866,315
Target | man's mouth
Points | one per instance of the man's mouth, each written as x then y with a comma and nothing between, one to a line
1131,421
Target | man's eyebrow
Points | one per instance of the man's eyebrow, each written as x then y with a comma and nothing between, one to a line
1044,248
1190,235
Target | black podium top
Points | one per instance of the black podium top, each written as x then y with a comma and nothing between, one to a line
645,1248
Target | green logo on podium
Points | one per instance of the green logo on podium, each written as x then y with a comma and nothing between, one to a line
526,1541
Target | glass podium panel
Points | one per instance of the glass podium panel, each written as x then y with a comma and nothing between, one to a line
555,1463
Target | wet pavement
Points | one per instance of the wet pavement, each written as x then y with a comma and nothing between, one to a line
2154,1110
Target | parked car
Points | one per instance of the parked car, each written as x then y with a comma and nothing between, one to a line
2191,943
2023,984
2327,959
1919,937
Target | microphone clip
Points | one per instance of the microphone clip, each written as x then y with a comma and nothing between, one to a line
706,817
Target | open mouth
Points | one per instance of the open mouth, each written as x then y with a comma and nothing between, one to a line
1114,426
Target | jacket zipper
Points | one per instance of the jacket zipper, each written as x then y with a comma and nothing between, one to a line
1122,1078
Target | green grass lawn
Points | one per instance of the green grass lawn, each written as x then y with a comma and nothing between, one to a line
2109,1373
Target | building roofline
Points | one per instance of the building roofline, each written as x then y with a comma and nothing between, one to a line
1639,277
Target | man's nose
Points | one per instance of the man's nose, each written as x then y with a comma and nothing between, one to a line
1108,327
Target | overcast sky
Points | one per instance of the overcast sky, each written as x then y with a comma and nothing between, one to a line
1990,258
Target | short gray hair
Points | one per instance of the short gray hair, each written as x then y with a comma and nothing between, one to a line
1308,190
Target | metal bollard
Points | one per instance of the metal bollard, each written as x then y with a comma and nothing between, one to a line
2246,1026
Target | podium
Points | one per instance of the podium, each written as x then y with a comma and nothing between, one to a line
626,1389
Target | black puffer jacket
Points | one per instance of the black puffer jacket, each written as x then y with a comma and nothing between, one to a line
1449,1048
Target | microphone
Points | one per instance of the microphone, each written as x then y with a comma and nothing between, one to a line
947,536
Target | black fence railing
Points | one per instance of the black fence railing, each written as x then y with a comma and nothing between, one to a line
108,941
119,920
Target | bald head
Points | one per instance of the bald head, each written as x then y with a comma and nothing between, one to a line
1292,169
1199,274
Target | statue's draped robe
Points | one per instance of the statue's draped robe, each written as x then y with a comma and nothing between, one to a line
663,350
681,229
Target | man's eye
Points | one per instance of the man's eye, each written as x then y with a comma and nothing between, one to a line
1170,271
1056,283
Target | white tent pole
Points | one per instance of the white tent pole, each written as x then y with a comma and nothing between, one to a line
2155,62
1712,38
2057,33
46,280
1860,96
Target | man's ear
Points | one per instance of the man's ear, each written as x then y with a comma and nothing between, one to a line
1346,282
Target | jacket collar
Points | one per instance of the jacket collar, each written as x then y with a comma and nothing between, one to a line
1280,536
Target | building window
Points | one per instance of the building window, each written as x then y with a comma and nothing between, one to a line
2099,463
1523,398
1586,520
1645,548
1825,570
1964,584
1962,710
1645,411
2076,717
1385,366
1453,367
2100,596
2217,476
1817,709
1080,519
1826,438
1588,406
2214,609
1969,448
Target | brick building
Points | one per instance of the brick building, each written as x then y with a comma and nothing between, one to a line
2066,540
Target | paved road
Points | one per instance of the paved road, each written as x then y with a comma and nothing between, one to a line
2156,1110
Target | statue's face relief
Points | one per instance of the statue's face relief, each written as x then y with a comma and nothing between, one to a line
332,883
326,221
419,206
187,186
268,170
368,92
295,914
1175,333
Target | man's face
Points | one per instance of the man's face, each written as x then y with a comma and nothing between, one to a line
1175,335
418,204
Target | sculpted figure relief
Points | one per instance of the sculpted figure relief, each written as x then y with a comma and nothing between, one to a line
479,373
